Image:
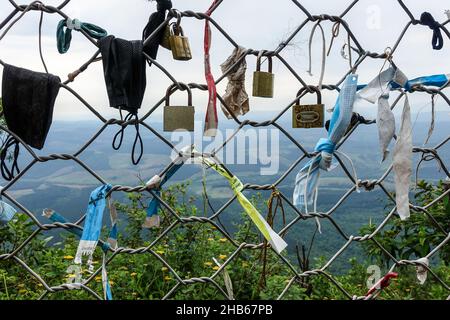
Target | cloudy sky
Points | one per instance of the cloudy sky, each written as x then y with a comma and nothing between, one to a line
256,24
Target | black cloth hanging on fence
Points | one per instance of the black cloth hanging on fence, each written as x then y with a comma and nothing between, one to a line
124,69
155,20
28,100
426,19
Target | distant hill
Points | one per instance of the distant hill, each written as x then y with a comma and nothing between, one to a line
65,186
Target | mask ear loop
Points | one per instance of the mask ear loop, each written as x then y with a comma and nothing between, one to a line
137,140
324,53
40,41
119,133
8,174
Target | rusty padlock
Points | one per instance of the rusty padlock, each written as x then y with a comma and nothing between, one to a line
178,117
263,82
179,44
308,115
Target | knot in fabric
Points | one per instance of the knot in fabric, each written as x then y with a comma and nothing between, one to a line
426,19
325,145
327,148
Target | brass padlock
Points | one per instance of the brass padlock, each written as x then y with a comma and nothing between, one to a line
263,81
311,115
178,117
165,41
179,44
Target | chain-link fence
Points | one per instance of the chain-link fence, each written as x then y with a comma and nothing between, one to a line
379,184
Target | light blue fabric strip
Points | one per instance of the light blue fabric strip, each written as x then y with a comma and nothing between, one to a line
94,213
431,81
7,212
155,204
56,217
308,177
438,80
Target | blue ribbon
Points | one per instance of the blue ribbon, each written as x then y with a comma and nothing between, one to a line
307,179
155,204
94,213
56,217
438,80
92,229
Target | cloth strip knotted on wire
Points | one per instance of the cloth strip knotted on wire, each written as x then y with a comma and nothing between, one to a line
125,77
64,37
152,218
111,243
277,242
426,19
211,119
236,185
380,285
28,101
92,229
235,97
378,90
7,212
155,20
307,180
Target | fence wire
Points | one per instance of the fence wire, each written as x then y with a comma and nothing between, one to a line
370,185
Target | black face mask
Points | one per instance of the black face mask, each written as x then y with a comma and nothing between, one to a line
28,101
155,20
124,70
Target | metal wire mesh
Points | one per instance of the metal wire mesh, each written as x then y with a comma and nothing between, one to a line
369,185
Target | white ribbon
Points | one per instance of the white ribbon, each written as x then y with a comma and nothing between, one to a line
403,163
422,272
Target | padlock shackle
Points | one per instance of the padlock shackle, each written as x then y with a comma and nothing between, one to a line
176,29
309,88
176,26
258,61
174,87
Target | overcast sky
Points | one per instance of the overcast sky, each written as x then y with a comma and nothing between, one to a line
256,24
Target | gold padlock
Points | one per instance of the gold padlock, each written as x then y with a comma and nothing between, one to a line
178,117
165,41
263,81
179,44
311,115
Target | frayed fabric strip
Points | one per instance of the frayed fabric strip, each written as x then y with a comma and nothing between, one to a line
211,119
386,125
93,223
277,242
403,163
85,248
